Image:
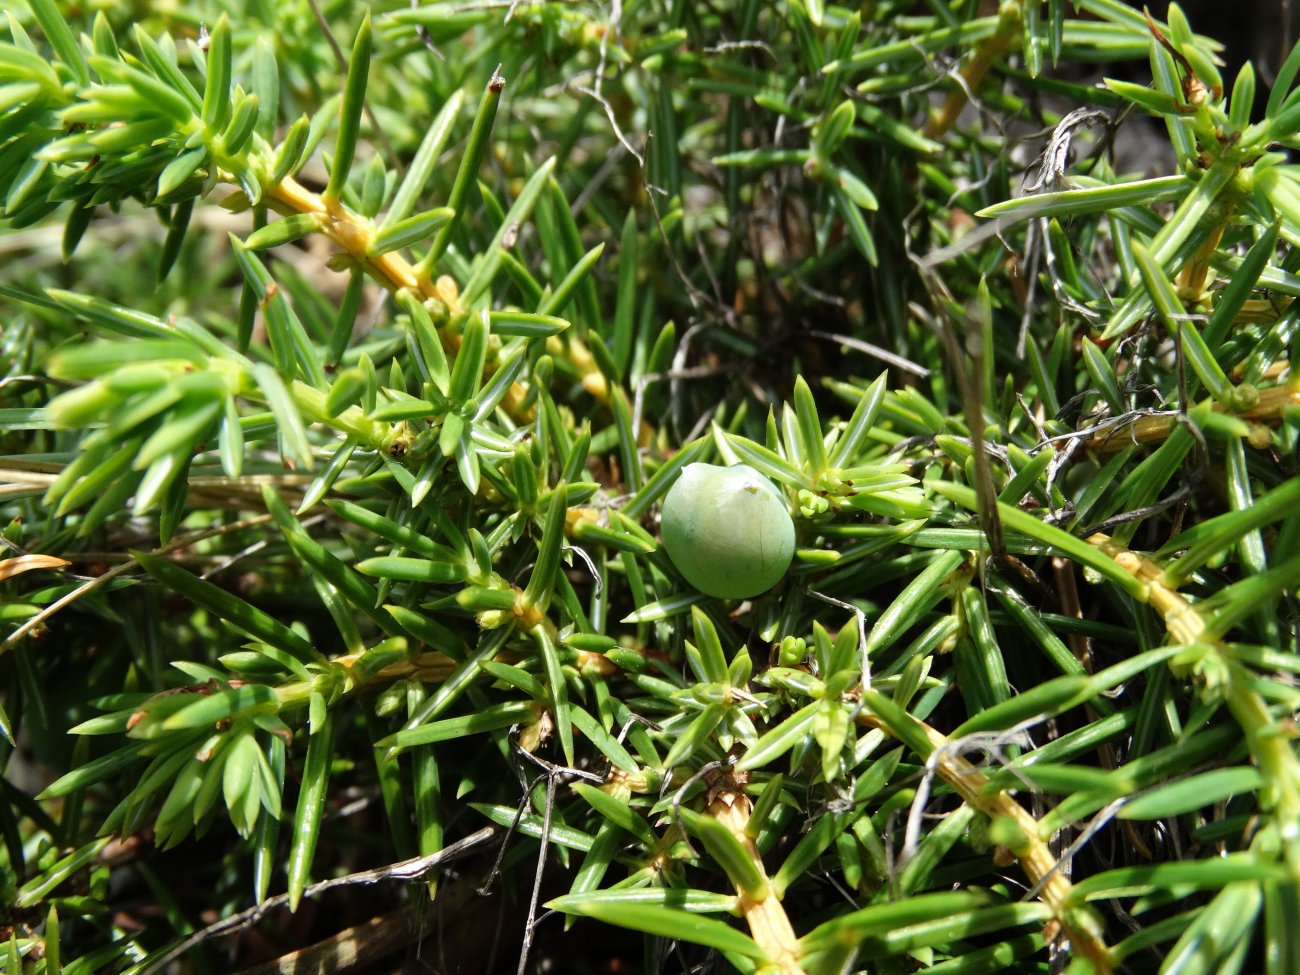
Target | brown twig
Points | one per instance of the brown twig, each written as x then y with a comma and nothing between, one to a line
408,871
102,580
361,944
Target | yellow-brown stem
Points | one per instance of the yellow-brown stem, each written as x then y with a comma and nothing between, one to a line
1269,745
1193,277
1037,861
348,231
1270,408
768,923
973,73
354,235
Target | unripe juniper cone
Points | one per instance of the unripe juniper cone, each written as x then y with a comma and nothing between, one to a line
728,530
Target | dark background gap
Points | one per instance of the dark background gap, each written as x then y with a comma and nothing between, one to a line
1259,31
